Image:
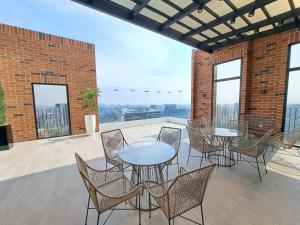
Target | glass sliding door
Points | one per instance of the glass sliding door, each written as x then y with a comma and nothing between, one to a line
226,102
51,110
292,105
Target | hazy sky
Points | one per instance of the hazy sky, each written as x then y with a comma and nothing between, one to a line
42,92
127,56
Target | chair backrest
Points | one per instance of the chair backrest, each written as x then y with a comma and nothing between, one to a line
84,173
170,136
263,142
291,137
195,137
112,141
239,125
188,189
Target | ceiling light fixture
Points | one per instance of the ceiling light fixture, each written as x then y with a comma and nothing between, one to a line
251,13
232,21
280,23
200,8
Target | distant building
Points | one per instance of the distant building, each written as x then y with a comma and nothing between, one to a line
128,115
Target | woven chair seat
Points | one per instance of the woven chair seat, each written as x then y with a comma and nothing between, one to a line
118,191
243,149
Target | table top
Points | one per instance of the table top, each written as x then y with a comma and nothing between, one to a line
225,132
147,153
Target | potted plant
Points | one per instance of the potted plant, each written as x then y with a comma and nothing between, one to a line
90,105
4,145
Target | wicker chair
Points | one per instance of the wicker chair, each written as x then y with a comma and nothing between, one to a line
106,188
285,140
182,194
253,148
171,136
203,143
239,125
113,141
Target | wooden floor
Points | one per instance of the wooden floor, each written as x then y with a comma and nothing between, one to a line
40,185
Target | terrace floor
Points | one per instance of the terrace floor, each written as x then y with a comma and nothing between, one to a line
40,185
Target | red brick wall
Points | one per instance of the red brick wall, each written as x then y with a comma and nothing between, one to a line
264,63
28,57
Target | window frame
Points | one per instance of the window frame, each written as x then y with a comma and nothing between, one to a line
34,108
288,70
213,101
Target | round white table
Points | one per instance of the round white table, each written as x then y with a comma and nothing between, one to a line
147,160
224,135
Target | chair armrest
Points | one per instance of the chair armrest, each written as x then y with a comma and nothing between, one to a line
242,148
182,170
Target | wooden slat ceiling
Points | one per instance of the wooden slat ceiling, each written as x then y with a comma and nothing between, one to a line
206,24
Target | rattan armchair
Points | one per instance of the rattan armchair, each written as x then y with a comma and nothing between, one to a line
171,136
285,140
203,143
239,125
253,148
182,194
106,188
113,141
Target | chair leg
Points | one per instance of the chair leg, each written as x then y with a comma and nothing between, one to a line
265,163
201,159
202,215
167,172
139,210
258,169
87,210
149,205
169,222
178,168
189,155
98,218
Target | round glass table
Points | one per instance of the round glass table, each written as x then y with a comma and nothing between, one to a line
147,160
224,136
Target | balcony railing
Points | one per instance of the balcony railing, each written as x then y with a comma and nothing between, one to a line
128,104
292,117
52,121
224,113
